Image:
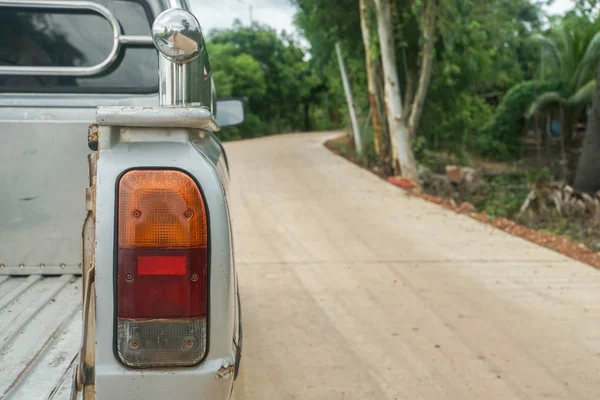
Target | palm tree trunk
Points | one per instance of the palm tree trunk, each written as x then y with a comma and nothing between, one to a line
426,67
587,178
538,140
377,113
564,173
547,139
403,159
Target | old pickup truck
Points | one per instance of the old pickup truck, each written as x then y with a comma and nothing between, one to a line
117,277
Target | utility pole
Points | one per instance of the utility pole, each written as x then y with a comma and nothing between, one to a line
250,10
349,100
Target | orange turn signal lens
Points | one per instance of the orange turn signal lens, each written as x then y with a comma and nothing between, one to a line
161,208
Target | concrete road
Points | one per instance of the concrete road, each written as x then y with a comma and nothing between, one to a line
352,289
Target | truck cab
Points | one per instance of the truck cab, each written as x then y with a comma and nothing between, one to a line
114,221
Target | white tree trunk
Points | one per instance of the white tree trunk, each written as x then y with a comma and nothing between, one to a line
350,100
426,67
404,161
377,115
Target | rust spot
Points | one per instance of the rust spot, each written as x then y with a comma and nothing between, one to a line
93,137
226,370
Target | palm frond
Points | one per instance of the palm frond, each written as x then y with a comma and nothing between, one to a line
588,65
566,43
543,102
551,54
583,96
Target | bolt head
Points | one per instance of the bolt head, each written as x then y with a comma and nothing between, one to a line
188,342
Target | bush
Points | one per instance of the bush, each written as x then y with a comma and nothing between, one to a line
501,136
451,122
251,128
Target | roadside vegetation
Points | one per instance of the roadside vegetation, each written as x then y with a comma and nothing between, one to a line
490,104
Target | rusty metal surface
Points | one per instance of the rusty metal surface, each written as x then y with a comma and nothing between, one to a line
85,369
40,332
158,117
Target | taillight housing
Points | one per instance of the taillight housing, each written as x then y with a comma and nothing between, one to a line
162,270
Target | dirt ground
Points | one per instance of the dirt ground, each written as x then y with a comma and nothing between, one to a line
353,289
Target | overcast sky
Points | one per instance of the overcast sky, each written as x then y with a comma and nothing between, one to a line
277,13
221,13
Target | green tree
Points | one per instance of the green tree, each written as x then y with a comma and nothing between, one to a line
569,60
481,51
281,105
476,51
235,73
501,135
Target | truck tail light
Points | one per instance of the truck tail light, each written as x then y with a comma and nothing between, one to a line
162,287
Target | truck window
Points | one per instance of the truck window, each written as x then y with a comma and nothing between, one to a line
52,37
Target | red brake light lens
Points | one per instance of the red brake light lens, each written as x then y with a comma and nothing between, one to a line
162,288
162,265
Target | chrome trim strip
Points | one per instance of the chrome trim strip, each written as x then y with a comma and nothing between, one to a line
136,40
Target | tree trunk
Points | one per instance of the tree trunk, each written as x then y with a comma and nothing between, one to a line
307,127
380,100
587,178
564,173
408,86
403,159
377,113
409,92
548,139
426,67
539,129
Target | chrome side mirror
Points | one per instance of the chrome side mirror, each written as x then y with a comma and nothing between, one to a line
230,112
183,67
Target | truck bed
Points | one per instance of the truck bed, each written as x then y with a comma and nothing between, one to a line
40,334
